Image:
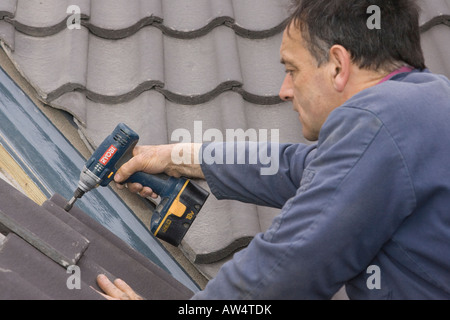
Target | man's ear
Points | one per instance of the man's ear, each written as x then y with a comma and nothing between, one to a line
340,64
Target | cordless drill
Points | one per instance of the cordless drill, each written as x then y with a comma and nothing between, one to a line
181,199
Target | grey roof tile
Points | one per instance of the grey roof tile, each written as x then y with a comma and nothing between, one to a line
207,64
56,240
261,15
108,253
119,71
7,34
260,63
47,230
161,65
435,27
37,14
37,58
34,276
188,72
224,112
176,18
230,111
197,16
74,102
197,67
279,117
146,114
27,272
7,8
437,58
43,18
114,16
19,288
434,12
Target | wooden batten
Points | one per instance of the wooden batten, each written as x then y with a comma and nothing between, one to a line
16,176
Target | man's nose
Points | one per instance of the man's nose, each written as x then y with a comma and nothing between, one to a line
287,90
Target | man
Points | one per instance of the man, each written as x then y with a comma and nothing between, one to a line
368,205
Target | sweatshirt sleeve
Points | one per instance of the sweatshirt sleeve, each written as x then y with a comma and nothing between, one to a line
357,192
260,173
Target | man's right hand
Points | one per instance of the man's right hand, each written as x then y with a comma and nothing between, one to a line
158,159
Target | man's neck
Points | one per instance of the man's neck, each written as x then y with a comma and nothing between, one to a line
362,79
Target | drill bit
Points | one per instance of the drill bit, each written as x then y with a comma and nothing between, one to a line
77,195
70,204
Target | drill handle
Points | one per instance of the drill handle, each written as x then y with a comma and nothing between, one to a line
157,182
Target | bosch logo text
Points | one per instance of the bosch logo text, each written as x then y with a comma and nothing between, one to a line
108,155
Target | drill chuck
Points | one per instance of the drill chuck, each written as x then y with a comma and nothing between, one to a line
88,181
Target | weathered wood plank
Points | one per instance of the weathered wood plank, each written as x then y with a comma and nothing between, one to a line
11,172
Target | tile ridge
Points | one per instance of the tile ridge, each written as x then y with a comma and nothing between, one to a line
200,98
222,253
441,19
8,8
5,14
41,31
192,34
158,86
117,34
262,34
154,21
259,99
100,98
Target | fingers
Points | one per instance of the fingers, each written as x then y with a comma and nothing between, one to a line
124,287
111,291
119,290
137,188
147,192
134,187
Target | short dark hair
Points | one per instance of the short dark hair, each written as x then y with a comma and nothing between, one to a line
324,23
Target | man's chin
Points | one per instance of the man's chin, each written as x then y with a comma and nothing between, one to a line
310,136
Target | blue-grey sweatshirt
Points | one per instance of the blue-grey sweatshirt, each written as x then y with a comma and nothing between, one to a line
367,206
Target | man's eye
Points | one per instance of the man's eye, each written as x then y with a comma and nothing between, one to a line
289,72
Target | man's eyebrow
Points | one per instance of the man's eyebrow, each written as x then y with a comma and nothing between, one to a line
282,61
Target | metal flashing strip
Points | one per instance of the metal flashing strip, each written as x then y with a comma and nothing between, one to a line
54,165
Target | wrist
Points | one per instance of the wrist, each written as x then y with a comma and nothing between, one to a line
184,160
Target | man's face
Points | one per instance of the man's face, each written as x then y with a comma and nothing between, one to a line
309,87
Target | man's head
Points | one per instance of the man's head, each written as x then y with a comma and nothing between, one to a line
331,54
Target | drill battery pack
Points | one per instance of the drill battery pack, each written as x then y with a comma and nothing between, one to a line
175,214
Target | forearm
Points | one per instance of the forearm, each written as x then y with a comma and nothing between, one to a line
185,161
260,173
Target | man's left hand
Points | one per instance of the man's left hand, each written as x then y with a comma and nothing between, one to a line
117,290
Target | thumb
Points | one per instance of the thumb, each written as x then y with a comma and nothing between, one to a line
128,168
